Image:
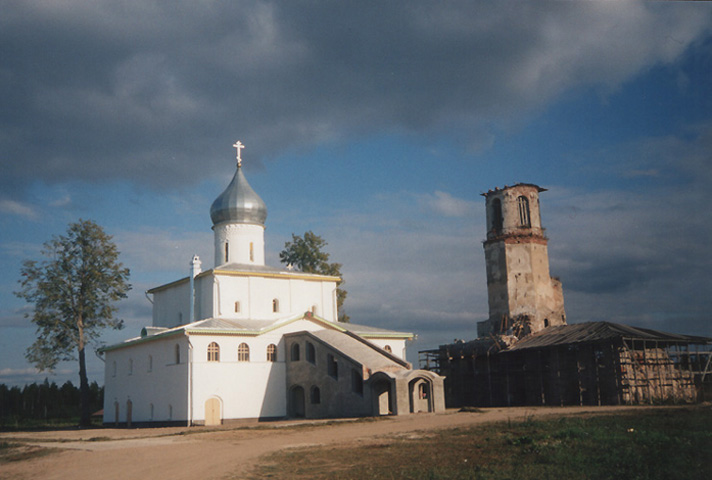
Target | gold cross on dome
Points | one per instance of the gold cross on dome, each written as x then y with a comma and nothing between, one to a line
239,146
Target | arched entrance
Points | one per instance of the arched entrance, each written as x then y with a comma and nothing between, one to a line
296,402
382,397
420,392
212,412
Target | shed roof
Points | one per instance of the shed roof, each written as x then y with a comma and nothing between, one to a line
597,331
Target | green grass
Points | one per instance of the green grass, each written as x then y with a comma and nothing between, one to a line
15,452
659,444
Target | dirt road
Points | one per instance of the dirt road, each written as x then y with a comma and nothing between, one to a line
229,452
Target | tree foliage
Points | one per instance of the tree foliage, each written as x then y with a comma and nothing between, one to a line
73,290
306,254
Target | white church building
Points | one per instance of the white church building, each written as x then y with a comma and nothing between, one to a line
247,341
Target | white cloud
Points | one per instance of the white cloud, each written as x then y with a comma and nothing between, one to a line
13,207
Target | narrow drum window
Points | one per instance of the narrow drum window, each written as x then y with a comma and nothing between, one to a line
271,352
177,353
237,307
243,353
523,203
213,352
252,252
227,251
275,305
130,366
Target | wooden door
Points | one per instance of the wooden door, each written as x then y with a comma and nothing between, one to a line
212,412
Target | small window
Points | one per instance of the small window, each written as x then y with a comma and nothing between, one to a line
356,382
213,352
177,353
315,395
130,366
295,352
237,307
275,305
243,353
227,252
113,374
252,252
388,349
170,412
271,352
523,203
332,366
546,322
311,353
150,363
180,318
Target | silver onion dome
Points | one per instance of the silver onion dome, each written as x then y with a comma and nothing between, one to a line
238,203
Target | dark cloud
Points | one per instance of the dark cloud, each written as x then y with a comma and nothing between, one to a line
150,91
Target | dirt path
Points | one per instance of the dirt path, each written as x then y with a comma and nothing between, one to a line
166,453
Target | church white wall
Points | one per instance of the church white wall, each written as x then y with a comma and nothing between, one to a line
397,345
254,389
147,374
171,305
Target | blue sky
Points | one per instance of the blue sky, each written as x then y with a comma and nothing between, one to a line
376,126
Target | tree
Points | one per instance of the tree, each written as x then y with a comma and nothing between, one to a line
73,291
306,254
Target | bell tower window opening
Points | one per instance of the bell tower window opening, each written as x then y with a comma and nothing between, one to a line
497,221
523,204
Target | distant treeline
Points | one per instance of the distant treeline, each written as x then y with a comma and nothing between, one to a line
45,401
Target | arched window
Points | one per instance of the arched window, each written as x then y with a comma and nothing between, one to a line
271,352
243,353
295,352
497,221
356,382
315,395
177,353
388,349
311,353
275,305
237,307
332,366
227,251
213,352
523,204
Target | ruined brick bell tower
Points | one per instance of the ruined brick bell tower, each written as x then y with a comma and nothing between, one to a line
523,297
